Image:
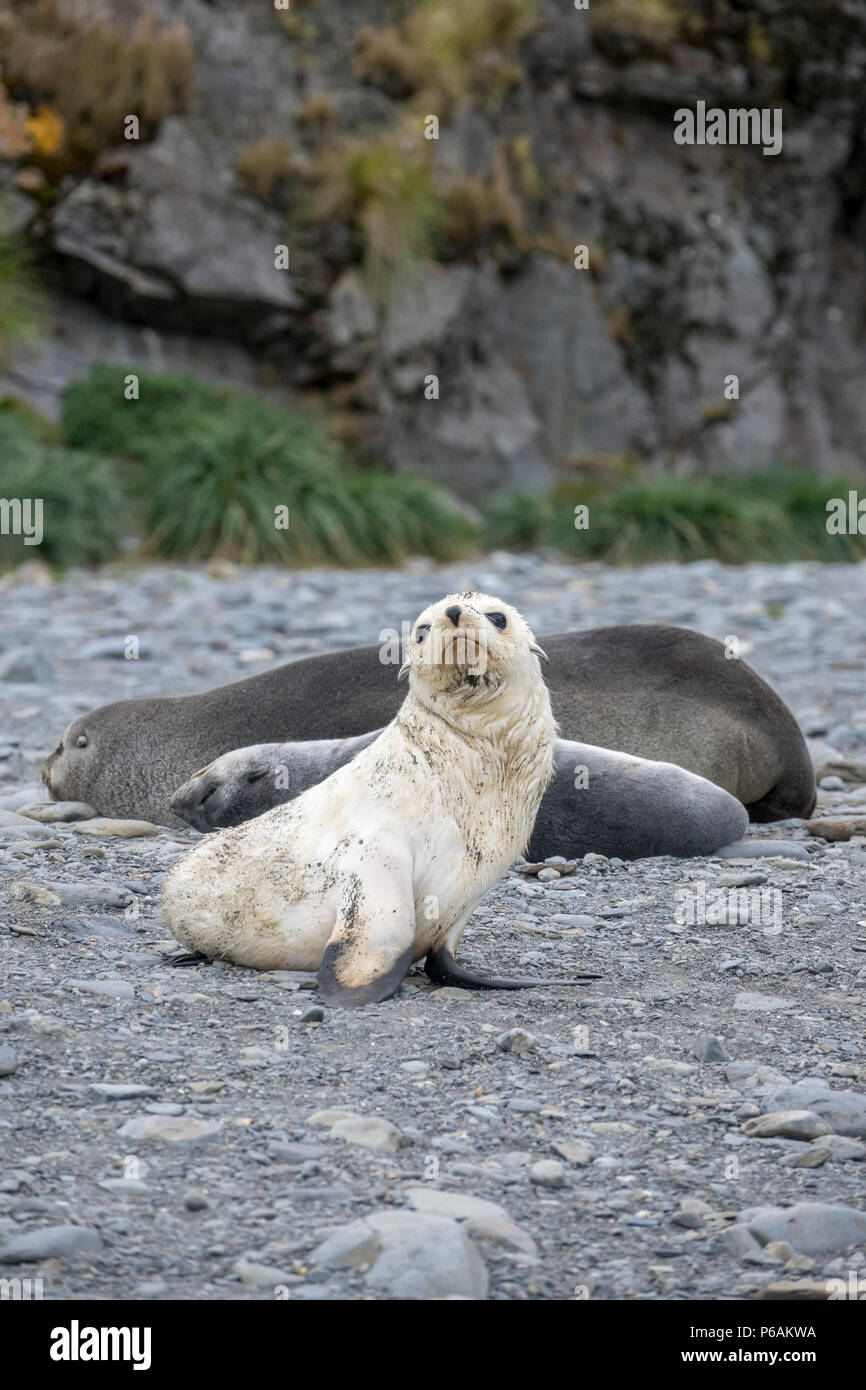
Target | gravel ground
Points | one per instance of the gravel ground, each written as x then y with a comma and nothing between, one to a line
210,1134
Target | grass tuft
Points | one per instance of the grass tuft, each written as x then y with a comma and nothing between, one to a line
385,193
83,506
777,514
21,305
262,166
85,74
209,468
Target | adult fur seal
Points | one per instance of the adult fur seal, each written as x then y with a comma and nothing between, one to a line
597,801
658,692
382,863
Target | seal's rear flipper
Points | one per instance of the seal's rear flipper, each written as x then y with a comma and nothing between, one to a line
442,969
187,958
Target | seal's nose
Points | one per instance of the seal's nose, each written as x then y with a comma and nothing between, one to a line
453,613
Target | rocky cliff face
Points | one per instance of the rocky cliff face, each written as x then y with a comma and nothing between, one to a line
704,262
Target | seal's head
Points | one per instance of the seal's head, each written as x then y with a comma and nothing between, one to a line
67,766
470,649
88,763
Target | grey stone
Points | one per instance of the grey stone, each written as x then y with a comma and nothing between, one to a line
843,1111
410,1255
482,1218
159,1129
114,989
126,1187
261,1276
50,1243
92,893
738,1240
709,1048
119,829
57,812
692,1213
518,1041
787,1124
548,1172
812,1156
369,1132
763,849
122,1090
747,1001
112,649
574,1151
808,1227
23,667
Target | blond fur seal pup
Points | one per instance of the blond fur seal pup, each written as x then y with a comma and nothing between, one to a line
382,863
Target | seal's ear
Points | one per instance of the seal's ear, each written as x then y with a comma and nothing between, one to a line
539,651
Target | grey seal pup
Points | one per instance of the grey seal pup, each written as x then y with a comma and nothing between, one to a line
597,801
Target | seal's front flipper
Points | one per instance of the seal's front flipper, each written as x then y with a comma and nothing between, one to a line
442,969
371,947
187,958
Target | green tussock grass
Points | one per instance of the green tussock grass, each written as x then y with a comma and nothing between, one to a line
775,514
21,305
209,468
83,504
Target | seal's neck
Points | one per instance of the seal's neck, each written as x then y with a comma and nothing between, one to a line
513,725
491,761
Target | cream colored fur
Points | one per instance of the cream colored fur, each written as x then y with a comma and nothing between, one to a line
393,850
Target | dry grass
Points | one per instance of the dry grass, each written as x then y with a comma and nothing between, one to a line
88,75
316,114
626,29
382,188
483,214
263,165
384,59
298,29
443,51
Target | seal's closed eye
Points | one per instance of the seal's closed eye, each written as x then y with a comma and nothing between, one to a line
421,632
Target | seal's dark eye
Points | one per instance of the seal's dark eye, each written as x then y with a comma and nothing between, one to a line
81,741
497,619
421,632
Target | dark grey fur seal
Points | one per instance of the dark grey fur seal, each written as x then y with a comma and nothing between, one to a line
663,693
598,802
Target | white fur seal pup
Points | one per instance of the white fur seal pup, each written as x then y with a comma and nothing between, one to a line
597,801
382,863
